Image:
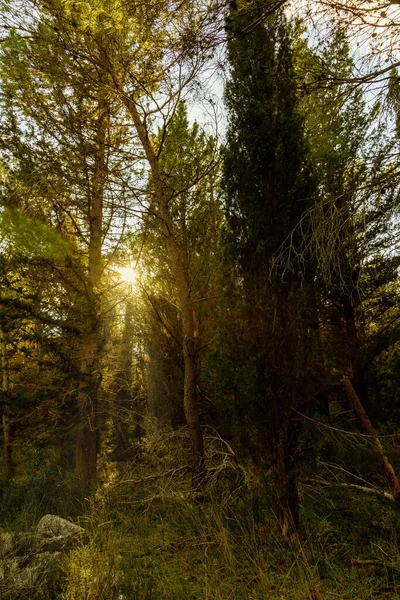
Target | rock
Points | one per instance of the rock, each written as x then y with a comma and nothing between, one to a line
51,526
57,543
29,561
37,573
8,569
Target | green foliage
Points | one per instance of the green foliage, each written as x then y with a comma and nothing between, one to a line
352,225
266,172
307,258
30,239
348,148
44,483
267,314
189,159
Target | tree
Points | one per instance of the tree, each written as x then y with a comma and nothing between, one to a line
268,190
155,85
189,163
39,371
146,78
351,235
76,143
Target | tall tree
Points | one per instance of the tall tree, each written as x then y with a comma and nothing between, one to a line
75,140
188,161
352,223
134,58
175,61
268,190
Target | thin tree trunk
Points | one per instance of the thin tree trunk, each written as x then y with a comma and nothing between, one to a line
286,478
190,343
7,426
368,429
123,379
87,437
354,349
286,429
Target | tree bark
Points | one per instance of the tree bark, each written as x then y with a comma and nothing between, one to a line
286,479
123,392
190,344
354,349
7,426
87,436
368,429
286,397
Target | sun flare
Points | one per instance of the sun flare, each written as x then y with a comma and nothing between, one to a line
128,275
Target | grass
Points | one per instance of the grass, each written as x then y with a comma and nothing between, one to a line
152,539
179,550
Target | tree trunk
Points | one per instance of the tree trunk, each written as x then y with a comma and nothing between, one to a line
286,429
123,389
286,478
354,349
7,426
190,344
87,440
368,429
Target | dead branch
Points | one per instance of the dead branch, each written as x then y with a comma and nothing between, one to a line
374,562
365,490
367,427
165,474
354,486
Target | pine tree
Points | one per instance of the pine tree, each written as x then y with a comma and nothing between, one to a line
352,223
67,122
188,161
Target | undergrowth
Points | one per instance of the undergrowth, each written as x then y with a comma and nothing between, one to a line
179,550
152,538
162,542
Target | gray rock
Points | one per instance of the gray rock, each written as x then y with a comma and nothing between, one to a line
38,571
8,569
29,561
51,526
57,543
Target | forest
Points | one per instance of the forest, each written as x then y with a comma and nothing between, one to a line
199,299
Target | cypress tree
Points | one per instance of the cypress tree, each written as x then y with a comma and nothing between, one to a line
268,191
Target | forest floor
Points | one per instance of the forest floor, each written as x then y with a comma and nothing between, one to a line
151,538
175,548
